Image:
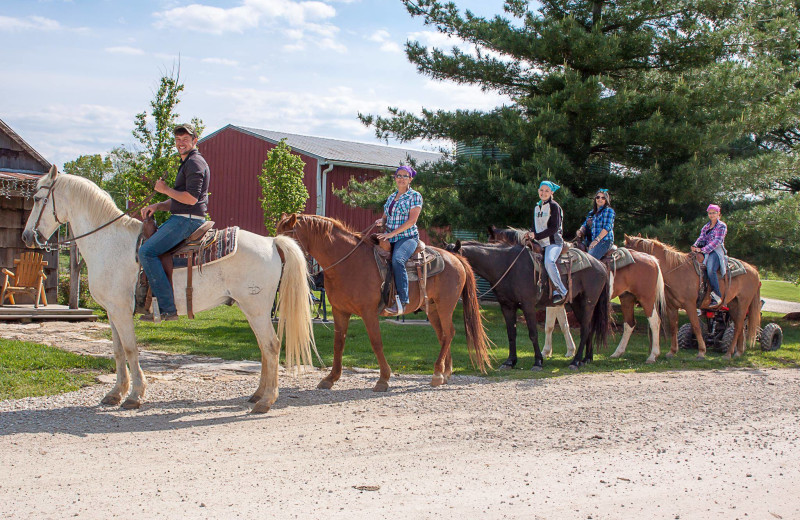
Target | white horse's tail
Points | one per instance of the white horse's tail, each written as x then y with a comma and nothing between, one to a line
294,307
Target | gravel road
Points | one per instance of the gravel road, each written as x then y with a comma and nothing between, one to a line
677,445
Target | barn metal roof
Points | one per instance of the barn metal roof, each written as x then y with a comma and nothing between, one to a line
336,150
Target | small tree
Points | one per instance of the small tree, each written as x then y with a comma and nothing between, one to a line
93,167
282,185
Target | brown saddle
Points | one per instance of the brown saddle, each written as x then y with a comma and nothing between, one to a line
423,264
200,240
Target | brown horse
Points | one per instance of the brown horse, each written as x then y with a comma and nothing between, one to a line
743,296
353,286
640,282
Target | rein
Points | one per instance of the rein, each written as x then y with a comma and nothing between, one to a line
364,235
504,274
58,244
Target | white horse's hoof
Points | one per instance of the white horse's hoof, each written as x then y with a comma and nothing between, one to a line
132,404
111,400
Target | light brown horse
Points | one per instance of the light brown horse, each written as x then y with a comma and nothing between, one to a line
742,296
639,282
353,286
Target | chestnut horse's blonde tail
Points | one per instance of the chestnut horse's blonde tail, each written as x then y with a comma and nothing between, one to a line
661,301
294,306
754,317
477,341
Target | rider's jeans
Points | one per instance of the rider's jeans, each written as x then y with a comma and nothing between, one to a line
600,249
551,254
169,234
401,252
712,268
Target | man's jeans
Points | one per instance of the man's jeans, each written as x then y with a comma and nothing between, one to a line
551,254
169,234
401,252
600,249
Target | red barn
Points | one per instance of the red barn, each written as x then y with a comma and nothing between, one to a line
236,154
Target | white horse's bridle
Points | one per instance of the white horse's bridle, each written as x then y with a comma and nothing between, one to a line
36,234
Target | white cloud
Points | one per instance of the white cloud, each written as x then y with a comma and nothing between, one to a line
131,51
294,19
10,24
382,36
221,61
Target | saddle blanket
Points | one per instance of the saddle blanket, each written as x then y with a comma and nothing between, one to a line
576,257
432,257
619,258
217,244
735,267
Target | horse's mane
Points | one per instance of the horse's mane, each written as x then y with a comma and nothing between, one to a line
511,235
324,226
672,257
98,203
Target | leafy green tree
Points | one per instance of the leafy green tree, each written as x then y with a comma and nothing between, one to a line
649,99
282,185
94,167
155,156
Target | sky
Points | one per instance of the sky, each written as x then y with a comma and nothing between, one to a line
76,72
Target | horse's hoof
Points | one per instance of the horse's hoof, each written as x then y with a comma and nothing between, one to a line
380,386
111,400
615,356
437,380
737,354
669,355
325,385
505,367
254,398
131,404
260,408
570,354
726,357
573,366
650,361
700,357
536,368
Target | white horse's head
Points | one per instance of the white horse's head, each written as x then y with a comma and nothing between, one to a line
42,222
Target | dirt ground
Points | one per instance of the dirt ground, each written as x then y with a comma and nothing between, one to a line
679,445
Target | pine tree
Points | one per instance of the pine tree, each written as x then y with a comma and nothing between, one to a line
650,99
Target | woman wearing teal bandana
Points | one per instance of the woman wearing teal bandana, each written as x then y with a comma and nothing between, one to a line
547,232
597,231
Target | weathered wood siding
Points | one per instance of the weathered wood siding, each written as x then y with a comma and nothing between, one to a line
14,213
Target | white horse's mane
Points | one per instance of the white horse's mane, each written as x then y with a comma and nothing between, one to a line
98,203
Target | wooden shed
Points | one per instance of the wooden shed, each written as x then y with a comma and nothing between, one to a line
20,167
236,154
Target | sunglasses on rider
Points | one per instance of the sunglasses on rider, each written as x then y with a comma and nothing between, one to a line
402,176
600,197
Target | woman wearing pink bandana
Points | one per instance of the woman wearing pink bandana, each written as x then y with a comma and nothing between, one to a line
711,244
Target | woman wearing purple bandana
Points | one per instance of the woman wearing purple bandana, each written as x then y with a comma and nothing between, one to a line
711,246
400,214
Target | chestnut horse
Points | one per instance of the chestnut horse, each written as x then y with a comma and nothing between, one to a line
640,282
353,286
743,296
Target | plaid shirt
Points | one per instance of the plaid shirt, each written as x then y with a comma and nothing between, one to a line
400,212
601,221
710,238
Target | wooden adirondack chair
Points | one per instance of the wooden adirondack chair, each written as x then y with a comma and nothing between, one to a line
29,279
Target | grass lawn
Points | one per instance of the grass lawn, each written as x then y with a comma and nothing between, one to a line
780,290
413,348
28,369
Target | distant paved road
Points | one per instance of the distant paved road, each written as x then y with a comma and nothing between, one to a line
780,306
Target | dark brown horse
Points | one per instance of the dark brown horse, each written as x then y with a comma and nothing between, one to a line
353,286
514,280
743,296
640,282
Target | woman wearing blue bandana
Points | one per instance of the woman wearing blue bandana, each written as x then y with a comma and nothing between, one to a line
400,214
597,231
547,232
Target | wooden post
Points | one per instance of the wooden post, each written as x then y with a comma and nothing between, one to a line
74,275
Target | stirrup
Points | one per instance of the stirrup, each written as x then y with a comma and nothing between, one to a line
396,309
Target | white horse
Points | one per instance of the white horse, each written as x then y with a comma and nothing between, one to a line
249,277
552,314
